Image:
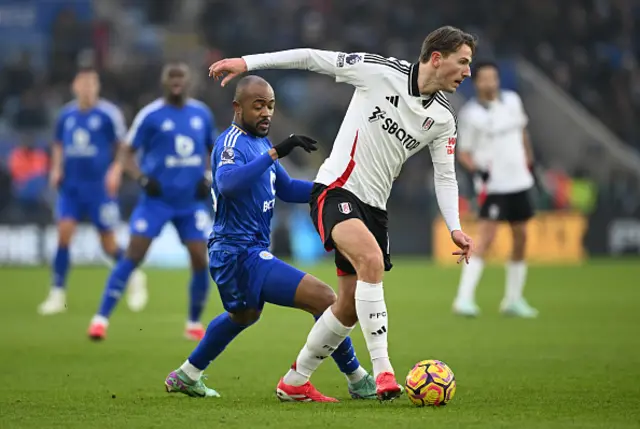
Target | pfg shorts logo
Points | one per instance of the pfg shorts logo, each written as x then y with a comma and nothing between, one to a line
266,255
344,208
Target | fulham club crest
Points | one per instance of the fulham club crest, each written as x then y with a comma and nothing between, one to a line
344,208
428,123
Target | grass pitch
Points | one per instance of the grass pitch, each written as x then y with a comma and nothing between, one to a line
576,366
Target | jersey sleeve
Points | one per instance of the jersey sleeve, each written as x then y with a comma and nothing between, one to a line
140,131
443,157
210,129
59,128
228,152
116,118
358,68
519,107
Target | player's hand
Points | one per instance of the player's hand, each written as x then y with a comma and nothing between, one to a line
150,186
232,67
287,145
203,188
113,180
465,243
55,178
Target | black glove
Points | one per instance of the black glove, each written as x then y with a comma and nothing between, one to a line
203,188
286,146
150,186
483,175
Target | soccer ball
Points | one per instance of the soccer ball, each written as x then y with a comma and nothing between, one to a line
430,382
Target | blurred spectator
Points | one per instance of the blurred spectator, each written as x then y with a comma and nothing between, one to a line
28,166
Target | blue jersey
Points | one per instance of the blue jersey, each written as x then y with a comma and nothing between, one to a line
174,143
89,139
247,216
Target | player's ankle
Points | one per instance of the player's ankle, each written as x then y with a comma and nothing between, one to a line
191,371
357,375
380,365
294,378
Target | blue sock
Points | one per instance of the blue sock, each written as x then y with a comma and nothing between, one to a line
116,284
60,267
118,255
198,291
220,332
345,355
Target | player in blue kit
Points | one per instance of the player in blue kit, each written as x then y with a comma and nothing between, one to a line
247,179
87,135
174,136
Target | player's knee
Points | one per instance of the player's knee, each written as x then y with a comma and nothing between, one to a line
135,254
369,265
325,298
65,233
199,261
245,317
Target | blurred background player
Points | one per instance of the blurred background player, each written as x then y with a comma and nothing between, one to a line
495,148
351,190
248,178
88,133
174,136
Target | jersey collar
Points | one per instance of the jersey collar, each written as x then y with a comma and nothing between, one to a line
235,124
414,90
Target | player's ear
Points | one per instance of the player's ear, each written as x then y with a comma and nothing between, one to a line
436,58
236,107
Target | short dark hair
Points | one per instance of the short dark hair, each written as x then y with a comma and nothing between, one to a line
446,40
479,65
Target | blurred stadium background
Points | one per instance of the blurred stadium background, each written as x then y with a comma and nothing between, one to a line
574,62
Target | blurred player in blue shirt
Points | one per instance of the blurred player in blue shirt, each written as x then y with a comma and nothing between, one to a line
174,136
88,133
247,179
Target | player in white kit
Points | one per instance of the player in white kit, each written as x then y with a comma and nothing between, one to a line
494,146
397,109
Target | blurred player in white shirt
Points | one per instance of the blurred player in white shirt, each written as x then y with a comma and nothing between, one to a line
494,146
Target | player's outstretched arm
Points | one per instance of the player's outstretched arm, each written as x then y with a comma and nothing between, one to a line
446,184
234,175
291,190
351,68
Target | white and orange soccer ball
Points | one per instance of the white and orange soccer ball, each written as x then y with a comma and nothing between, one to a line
430,382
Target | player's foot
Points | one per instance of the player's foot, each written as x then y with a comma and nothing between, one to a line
98,328
194,331
388,388
519,308
466,309
304,393
137,295
364,389
56,302
178,382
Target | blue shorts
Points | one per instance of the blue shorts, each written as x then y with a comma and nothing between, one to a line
102,210
247,278
149,217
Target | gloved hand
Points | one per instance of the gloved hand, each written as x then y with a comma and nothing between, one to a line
287,145
203,188
150,186
483,175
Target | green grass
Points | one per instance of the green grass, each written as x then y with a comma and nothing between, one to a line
576,366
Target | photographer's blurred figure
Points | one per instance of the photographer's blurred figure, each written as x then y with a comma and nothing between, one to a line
494,147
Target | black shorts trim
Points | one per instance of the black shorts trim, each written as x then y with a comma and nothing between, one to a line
332,205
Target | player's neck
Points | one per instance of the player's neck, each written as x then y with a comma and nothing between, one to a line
487,98
176,101
427,82
87,104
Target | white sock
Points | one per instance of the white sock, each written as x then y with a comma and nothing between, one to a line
356,375
372,314
192,372
100,320
516,276
469,280
325,336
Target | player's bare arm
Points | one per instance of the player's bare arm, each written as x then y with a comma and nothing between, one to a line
56,173
526,141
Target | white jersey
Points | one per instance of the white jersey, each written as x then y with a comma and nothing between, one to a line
493,134
386,123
